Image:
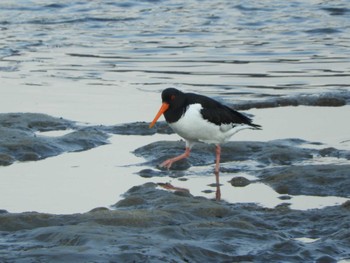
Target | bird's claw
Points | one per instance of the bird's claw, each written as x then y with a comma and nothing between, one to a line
166,164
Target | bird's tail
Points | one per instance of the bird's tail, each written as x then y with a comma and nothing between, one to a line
255,126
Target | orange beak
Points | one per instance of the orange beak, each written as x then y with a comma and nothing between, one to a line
162,109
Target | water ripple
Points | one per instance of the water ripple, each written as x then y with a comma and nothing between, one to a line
245,45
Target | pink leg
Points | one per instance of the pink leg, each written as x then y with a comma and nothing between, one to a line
217,167
218,153
169,162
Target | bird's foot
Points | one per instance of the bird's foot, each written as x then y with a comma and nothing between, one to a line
167,164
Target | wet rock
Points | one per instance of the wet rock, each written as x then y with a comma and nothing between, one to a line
320,180
160,151
82,139
283,207
346,205
231,170
34,122
208,191
239,181
148,173
285,197
98,209
19,140
138,128
280,152
282,189
6,159
154,225
331,99
28,156
329,102
175,172
333,152
131,201
182,179
330,151
326,259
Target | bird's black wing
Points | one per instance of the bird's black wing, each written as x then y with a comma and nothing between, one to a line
218,113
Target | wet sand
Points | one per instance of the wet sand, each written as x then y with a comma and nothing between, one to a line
152,224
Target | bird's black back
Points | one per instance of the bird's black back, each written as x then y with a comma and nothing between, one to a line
218,113
212,110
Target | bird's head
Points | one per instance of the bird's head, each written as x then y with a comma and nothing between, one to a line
171,97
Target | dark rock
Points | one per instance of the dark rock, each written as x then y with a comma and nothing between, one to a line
28,156
208,191
346,205
320,180
329,102
285,197
153,225
131,201
138,128
182,179
326,259
331,99
20,142
98,209
239,181
283,207
6,159
328,151
148,173
280,152
34,122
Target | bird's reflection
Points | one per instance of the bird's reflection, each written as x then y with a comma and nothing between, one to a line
171,187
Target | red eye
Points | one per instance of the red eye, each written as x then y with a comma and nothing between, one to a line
172,97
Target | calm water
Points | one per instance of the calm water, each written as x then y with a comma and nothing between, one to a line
250,48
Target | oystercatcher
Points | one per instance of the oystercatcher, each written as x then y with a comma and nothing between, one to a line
198,118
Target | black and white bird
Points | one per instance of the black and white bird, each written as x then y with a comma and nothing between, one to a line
198,118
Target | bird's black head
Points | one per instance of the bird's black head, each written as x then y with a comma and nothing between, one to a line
176,100
172,96
173,105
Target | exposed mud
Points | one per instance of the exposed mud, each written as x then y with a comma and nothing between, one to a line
153,225
320,180
330,99
20,140
22,136
278,152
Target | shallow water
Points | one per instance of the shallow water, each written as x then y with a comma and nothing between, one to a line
97,62
105,63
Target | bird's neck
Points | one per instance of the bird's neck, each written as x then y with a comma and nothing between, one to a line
174,114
